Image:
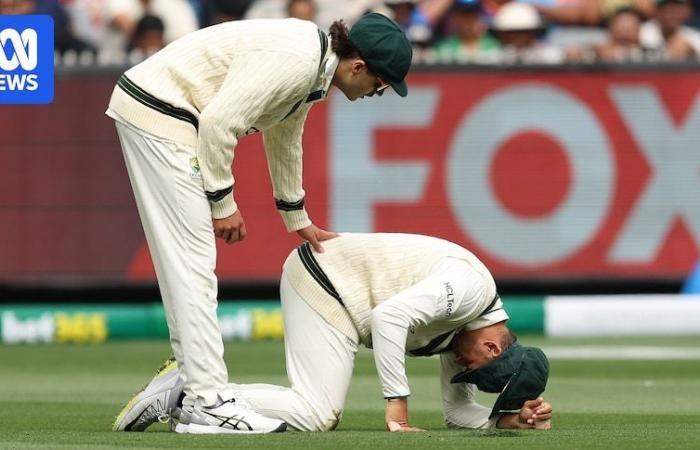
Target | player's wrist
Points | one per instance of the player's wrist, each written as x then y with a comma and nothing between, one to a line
226,207
295,220
396,412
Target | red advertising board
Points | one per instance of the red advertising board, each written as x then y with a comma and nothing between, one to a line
542,174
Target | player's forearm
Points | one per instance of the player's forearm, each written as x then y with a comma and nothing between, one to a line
284,152
290,198
215,152
218,184
218,188
389,332
396,414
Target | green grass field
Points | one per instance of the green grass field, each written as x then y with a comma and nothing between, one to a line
65,397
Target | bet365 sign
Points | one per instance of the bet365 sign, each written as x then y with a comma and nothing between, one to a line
26,59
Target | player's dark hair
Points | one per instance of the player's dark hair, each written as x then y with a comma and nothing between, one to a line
340,41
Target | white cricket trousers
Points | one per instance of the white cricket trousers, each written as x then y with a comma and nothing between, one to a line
319,360
176,219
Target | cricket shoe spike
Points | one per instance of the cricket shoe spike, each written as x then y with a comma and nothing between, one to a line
226,417
157,402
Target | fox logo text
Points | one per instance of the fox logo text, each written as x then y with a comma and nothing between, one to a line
26,59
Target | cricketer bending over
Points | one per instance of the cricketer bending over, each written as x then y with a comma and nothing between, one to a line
180,114
398,294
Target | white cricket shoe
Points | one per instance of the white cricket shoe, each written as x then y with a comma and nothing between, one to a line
227,417
155,403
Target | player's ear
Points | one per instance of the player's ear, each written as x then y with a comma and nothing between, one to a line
358,66
494,348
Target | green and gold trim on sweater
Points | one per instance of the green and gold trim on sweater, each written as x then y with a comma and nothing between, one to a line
152,102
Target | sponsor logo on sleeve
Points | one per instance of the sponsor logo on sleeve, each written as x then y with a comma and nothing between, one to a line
450,299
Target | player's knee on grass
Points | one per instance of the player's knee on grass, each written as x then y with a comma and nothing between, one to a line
331,424
314,424
458,421
328,420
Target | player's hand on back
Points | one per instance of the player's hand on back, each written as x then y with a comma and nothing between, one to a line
230,229
315,235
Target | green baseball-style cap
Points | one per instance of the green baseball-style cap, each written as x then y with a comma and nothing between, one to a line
520,374
384,47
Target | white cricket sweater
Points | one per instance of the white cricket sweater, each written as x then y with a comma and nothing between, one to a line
398,294
214,86
368,269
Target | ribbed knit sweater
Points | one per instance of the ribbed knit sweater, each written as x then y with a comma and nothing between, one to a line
219,84
401,295
368,269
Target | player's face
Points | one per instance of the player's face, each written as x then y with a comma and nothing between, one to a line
473,358
378,85
362,82
473,352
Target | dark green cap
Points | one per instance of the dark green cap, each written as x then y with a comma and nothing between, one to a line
383,45
520,374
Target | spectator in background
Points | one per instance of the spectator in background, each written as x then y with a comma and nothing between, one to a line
201,10
694,20
490,7
520,28
471,39
121,17
88,19
149,36
266,9
227,10
419,18
327,11
667,34
623,44
302,9
592,12
64,39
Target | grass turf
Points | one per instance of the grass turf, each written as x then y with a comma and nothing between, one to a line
65,397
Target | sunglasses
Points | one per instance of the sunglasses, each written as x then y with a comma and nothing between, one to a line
379,85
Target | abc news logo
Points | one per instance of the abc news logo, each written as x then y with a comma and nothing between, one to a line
26,59
24,55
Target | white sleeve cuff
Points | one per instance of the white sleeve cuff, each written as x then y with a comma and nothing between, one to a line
295,220
223,208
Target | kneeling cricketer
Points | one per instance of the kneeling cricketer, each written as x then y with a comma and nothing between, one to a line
400,295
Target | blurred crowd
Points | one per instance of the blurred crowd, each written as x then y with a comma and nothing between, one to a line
448,31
